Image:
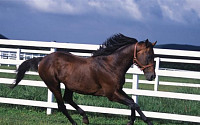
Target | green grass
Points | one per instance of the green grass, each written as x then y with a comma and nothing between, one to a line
26,115
23,115
38,117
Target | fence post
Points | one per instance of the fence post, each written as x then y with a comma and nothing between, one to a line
18,57
50,94
1,56
135,86
157,77
49,100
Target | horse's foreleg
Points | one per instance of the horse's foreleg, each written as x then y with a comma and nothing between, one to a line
121,97
68,97
61,106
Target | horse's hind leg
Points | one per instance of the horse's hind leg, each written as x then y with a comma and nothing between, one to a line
121,97
68,97
55,88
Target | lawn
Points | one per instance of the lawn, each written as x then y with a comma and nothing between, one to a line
26,115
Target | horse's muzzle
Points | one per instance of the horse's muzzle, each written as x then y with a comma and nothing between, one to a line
150,76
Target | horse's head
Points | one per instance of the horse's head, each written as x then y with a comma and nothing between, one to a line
144,58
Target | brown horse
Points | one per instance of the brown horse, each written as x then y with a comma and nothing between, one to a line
102,74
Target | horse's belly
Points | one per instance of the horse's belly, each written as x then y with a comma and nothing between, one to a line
83,88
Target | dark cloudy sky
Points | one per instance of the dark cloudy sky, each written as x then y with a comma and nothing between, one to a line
93,21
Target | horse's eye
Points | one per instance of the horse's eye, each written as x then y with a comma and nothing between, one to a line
150,57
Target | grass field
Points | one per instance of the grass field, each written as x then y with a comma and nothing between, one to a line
26,115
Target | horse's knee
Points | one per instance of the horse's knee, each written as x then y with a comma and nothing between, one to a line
61,107
134,106
66,99
81,112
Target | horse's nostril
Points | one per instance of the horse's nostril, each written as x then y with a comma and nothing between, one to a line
153,77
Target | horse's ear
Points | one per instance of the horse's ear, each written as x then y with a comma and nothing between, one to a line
153,44
147,43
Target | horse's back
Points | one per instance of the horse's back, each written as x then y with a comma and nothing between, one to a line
60,61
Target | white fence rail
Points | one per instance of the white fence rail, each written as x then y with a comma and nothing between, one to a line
16,56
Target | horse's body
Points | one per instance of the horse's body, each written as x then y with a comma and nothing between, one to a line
102,74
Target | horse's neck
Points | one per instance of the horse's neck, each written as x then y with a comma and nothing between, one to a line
124,58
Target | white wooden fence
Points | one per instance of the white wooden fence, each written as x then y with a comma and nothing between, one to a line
15,56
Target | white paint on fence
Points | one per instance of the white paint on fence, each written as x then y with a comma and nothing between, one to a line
16,57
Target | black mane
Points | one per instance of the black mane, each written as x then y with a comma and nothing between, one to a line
113,43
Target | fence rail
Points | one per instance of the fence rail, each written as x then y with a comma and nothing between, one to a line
15,56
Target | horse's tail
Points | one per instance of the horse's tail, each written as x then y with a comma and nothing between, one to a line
26,66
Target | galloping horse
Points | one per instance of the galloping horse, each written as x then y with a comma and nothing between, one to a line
102,74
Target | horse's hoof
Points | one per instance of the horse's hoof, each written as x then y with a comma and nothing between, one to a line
129,123
74,123
150,123
85,120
